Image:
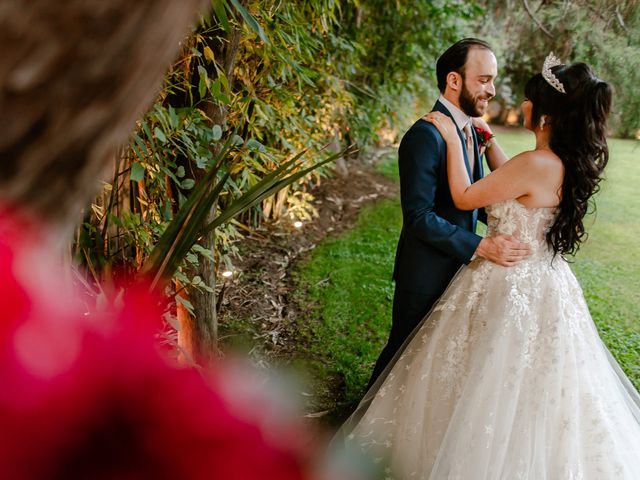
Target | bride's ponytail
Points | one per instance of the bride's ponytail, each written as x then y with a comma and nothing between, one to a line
602,93
598,109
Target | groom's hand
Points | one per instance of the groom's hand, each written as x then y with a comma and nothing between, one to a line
504,250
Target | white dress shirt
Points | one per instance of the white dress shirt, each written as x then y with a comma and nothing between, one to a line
459,116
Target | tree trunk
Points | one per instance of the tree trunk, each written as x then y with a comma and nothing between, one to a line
203,329
203,333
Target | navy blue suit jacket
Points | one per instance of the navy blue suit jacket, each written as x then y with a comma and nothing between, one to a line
436,237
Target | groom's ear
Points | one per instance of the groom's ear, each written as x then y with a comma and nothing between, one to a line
454,81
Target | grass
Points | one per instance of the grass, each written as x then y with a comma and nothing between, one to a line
608,263
347,283
347,280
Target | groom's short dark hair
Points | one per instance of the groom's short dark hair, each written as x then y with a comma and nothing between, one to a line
454,59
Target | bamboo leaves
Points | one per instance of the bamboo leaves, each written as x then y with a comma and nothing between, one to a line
269,185
287,77
188,225
185,228
137,172
220,8
249,20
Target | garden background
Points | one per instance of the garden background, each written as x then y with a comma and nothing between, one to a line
295,265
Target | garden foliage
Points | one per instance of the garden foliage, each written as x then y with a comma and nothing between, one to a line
273,79
603,33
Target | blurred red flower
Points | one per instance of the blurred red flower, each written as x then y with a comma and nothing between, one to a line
90,396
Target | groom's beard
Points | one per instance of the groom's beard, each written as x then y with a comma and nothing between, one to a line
470,104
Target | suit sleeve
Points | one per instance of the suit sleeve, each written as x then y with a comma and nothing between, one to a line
420,154
482,216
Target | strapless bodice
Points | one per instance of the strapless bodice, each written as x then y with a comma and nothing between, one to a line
527,224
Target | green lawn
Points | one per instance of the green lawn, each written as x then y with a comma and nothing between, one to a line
347,284
608,263
347,280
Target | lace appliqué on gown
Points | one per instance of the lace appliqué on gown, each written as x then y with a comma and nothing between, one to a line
506,378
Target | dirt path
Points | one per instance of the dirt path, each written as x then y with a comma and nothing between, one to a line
258,311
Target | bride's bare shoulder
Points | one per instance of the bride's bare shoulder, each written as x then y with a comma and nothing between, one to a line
543,172
543,161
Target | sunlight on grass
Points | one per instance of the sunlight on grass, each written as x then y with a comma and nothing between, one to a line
347,280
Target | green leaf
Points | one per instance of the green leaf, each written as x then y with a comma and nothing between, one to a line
221,14
187,183
137,172
160,135
217,93
223,81
202,162
180,171
184,302
205,252
162,118
141,145
201,285
181,277
217,132
202,84
113,219
253,144
173,118
137,152
236,140
147,131
248,18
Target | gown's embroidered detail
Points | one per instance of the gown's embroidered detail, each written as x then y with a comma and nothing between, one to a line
507,378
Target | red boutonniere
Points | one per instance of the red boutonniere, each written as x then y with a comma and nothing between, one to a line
484,138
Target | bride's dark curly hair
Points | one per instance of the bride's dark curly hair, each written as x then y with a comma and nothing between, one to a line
578,121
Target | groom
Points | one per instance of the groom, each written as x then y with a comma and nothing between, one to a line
436,237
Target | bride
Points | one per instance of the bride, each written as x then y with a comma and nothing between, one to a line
506,377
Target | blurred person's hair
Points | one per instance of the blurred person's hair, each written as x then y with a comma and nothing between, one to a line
74,76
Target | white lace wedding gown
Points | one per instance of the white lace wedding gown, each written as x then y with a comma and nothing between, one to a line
506,378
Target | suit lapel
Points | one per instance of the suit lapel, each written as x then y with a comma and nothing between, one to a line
439,107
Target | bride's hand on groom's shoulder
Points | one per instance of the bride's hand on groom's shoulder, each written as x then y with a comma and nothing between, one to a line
444,124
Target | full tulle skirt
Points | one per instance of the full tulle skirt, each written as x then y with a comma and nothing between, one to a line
506,378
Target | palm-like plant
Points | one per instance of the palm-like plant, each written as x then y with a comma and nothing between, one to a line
190,223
